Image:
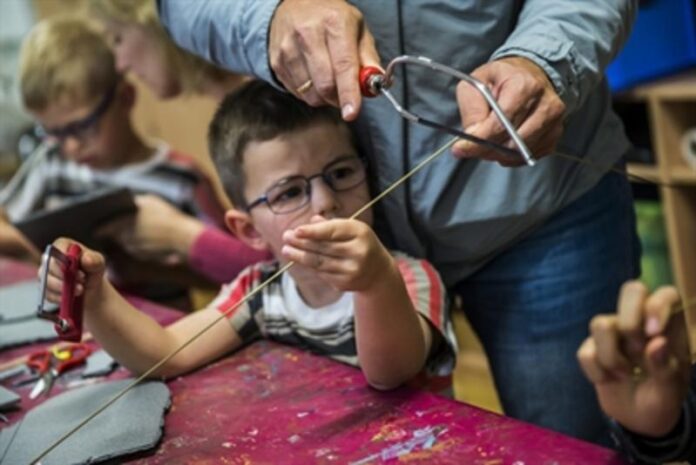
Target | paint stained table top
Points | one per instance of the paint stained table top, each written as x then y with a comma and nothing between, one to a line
274,404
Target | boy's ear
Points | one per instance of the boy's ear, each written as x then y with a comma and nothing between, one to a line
241,225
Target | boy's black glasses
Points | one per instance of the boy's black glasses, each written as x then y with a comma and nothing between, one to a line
292,193
84,127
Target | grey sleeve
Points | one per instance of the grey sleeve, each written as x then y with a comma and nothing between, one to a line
233,34
572,41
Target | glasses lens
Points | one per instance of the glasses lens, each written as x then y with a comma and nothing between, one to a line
288,196
345,174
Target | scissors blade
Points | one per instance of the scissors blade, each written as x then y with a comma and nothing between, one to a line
38,388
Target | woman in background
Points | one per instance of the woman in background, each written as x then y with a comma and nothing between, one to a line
143,48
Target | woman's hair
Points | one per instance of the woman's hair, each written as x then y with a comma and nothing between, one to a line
192,70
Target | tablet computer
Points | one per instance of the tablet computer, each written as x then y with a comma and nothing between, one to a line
79,218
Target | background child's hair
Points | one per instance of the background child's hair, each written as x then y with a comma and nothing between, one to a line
191,70
65,59
257,112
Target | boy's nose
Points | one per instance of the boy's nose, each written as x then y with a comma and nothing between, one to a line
70,145
324,199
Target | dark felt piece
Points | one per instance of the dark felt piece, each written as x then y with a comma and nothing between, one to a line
18,301
134,423
8,399
99,364
26,332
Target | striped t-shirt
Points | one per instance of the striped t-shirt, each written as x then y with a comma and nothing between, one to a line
47,181
278,312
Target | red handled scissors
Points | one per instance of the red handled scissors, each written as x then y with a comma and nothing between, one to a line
49,364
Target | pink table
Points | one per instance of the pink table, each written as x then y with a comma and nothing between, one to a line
273,404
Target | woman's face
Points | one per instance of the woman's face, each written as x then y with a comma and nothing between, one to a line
139,50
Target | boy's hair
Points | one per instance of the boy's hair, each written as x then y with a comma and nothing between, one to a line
65,59
257,112
192,70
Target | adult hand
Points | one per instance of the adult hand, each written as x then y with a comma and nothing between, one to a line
323,43
345,253
638,360
526,96
157,231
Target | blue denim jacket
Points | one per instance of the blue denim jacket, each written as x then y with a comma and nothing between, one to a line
459,214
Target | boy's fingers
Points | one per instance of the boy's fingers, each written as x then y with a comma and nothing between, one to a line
630,307
604,329
660,362
330,230
658,309
587,356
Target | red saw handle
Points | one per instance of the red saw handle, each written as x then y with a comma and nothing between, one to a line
69,327
371,79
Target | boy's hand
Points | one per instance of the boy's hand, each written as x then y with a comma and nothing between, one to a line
638,360
89,279
346,253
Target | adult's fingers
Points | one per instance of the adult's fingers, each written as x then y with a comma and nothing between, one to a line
350,51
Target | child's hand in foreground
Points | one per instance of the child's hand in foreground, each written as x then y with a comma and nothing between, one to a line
90,278
345,253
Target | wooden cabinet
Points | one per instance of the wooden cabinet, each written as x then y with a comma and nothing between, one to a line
671,110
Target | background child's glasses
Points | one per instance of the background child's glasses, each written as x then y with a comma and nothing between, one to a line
292,193
86,127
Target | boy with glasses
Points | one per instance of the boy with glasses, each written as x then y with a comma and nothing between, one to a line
296,176
70,84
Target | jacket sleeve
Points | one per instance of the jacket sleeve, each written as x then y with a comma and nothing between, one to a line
677,446
572,41
230,33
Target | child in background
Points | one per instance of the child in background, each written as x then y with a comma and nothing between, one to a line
70,84
295,175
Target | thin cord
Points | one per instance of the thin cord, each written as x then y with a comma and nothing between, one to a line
246,298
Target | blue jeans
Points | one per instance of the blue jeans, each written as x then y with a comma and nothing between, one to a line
531,307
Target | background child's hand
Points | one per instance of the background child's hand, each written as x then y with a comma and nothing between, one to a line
157,231
638,360
15,244
346,253
89,278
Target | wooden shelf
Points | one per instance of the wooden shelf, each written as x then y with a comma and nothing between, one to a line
645,171
681,87
682,175
671,108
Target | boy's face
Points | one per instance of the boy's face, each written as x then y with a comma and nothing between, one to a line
89,134
306,153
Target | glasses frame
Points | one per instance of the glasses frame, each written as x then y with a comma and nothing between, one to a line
78,128
308,185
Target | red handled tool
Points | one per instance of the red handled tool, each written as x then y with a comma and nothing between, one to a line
373,82
68,316
49,364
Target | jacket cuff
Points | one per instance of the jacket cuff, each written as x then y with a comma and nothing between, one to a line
557,58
